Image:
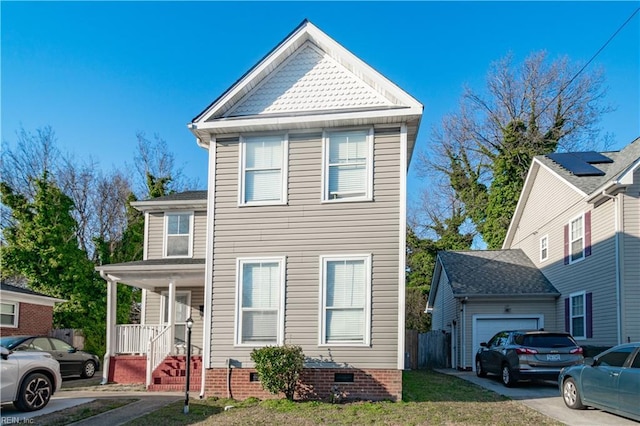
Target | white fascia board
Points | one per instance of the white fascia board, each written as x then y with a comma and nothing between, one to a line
435,282
315,120
151,269
151,205
10,296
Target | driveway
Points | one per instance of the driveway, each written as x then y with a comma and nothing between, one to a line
543,396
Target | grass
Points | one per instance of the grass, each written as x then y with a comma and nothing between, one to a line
428,398
84,411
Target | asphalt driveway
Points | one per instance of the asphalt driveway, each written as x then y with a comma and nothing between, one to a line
543,396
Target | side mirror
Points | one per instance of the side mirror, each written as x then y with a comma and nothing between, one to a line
4,352
484,345
72,350
590,362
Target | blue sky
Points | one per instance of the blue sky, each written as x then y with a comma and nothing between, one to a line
99,72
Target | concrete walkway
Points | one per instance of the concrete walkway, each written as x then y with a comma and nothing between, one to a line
543,396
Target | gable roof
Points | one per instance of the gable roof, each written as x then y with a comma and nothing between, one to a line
308,81
493,273
617,172
27,295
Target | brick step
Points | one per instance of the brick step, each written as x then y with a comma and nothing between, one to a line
193,387
166,372
172,379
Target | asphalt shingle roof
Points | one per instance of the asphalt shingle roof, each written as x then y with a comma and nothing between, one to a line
8,287
588,184
183,196
494,272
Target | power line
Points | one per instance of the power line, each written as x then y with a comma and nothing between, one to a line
589,61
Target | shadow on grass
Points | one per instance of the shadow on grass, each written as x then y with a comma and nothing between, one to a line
431,386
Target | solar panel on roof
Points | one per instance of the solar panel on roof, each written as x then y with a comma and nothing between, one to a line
575,164
593,157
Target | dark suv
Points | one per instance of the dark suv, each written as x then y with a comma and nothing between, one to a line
519,354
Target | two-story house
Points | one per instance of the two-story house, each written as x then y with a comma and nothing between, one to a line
570,260
300,238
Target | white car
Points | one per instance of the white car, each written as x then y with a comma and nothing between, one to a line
28,379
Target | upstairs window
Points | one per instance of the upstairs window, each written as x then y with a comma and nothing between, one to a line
348,171
178,234
263,170
577,238
259,309
346,293
8,314
544,248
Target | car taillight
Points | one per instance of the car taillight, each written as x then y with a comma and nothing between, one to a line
526,351
577,351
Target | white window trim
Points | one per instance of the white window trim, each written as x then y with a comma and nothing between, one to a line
163,300
166,233
583,295
284,172
282,261
325,167
544,238
580,216
367,304
16,314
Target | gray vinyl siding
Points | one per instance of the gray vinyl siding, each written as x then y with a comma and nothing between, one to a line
631,262
549,208
155,238
444,306
302,231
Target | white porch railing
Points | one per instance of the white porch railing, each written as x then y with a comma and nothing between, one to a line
159,347
135,338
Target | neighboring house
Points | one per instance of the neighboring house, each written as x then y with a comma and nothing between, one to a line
23,311
578,223
301,239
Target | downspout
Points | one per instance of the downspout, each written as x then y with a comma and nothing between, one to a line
208,271
617,220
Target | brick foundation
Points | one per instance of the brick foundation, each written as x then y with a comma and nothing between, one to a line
127,369
317,384
32,319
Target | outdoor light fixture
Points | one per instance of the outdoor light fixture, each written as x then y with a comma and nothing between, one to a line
186,391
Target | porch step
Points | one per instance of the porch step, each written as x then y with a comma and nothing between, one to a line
193,387
171,374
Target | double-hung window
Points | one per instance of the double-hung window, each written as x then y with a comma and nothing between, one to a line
263,170
576,234
578,315
345,315
178,234
348,165
260,301
544,248
8,314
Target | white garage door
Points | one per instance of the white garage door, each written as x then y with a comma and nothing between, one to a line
485,328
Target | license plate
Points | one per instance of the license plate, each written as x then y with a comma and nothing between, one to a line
553,357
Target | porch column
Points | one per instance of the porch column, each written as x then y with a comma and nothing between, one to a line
112,301
172,312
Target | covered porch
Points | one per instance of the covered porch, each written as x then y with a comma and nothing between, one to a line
172,293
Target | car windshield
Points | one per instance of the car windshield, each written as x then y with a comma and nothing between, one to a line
545,340
10,342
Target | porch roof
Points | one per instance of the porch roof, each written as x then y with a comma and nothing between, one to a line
153,273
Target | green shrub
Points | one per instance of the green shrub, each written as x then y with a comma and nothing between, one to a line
279,368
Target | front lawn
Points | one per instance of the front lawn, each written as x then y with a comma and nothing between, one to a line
428,398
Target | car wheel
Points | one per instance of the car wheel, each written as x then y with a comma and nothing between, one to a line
479,370
507,376
88,369
571,394
35,392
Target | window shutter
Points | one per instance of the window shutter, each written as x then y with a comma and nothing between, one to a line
589,313
587,234
567,328
566,244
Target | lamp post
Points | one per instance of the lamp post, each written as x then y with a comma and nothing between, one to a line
186,391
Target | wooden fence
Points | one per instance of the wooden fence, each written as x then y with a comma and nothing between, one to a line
427,350
73,337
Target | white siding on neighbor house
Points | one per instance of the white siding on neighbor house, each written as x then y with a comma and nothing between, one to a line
155,240
543,215
302,231
631,262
